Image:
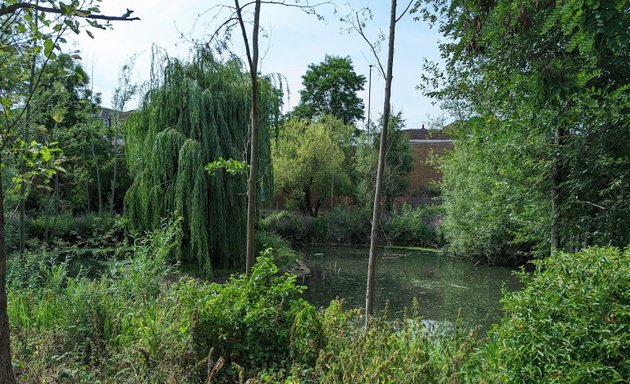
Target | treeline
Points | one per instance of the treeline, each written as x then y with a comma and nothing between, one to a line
540,92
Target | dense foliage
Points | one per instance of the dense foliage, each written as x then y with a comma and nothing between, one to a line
142,321
330,88
541,92
194,114
570,324
407,226
399,162
137,313
309,159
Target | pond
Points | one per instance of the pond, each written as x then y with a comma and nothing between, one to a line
445,288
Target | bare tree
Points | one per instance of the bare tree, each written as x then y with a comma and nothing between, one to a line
251,42
358,26
122,94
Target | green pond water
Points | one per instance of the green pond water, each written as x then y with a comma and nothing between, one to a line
445,288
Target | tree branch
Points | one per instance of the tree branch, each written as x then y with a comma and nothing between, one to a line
361,33
85,14
405,11
241,23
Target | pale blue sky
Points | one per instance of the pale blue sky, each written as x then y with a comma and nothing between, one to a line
294,41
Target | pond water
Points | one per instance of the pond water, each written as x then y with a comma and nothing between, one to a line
445,288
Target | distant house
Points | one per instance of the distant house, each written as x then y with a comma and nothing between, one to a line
426,146
107,115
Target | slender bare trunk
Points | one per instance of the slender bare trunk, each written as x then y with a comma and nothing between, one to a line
252,56
116,149
25,137
6,369
556,190
376,214
98,175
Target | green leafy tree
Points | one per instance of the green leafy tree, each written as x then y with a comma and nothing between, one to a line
397,167
330,88
309,160
250,40
64,111
29,29
550,76
197,114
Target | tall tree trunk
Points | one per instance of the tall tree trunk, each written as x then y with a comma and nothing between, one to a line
56,202
376,214
49,203
98,175
25,137
306,201
556,190
116,149
6,369
252,183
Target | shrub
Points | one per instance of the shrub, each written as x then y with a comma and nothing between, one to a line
348,225
284,256
398,351
249,321
570,324
289,225
90,230
413,227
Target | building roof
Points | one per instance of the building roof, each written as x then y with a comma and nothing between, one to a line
106,114
422,135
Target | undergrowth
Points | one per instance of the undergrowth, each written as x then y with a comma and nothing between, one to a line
144,322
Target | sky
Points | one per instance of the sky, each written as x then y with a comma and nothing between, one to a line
291,40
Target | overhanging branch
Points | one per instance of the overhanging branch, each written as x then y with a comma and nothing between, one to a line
85,14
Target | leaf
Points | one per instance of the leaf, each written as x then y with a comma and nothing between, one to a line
49,45
57,116
45,152
89,33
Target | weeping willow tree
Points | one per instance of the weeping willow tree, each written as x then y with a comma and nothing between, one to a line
193,114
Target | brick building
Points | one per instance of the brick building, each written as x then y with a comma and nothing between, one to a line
426,146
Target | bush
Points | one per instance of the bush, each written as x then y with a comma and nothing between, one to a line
90,230
348,225
284,256
570,324
251,321
289,225
399,351
79,321
413,227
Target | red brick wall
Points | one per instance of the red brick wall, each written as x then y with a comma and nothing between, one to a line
425,172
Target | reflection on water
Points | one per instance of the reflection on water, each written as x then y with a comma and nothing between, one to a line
442,286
